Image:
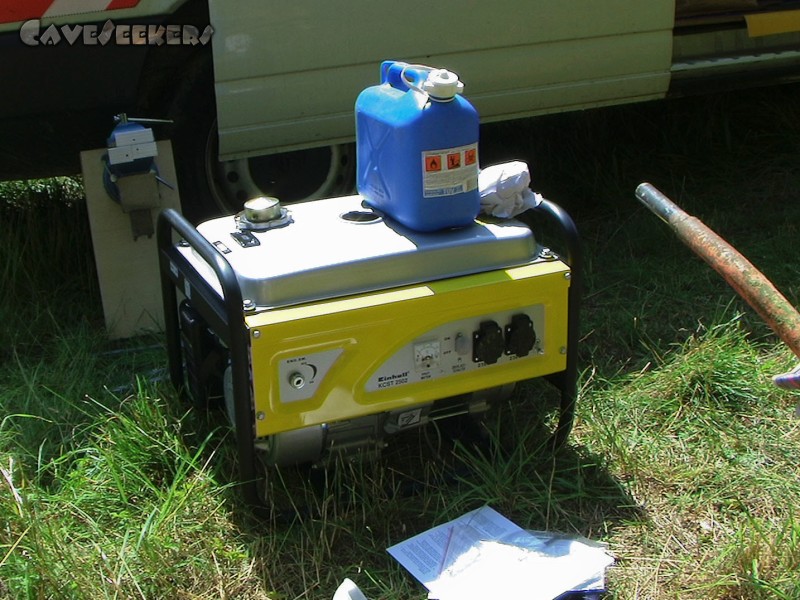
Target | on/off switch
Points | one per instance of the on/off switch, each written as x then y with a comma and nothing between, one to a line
462,344
297,380
487,343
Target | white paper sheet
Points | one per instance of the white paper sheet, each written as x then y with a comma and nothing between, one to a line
484,555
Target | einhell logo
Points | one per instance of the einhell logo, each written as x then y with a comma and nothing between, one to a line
32,34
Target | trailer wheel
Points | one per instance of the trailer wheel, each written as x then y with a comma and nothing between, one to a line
209,187
289,176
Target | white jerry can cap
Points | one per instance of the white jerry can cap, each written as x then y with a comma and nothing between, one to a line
442,84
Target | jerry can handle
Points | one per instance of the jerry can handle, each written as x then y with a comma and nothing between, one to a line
404,76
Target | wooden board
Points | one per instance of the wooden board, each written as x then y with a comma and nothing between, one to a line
127,269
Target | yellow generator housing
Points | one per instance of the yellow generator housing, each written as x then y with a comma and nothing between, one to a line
326,327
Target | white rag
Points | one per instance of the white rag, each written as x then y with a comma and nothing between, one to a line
504,190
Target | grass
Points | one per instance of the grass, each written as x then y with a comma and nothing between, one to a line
684,457
709,453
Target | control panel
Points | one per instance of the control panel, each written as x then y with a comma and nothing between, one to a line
465,345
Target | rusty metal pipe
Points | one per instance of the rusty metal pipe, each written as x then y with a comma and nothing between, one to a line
778,313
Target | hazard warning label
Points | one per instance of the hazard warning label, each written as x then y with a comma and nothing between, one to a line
449,171
433,163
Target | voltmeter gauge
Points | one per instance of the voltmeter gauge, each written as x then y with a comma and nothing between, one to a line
427,355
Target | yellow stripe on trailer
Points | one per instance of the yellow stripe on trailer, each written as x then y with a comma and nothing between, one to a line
773,23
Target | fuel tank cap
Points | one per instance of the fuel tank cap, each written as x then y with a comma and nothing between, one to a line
262,213
262,209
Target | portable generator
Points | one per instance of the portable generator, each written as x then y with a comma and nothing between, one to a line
326,326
